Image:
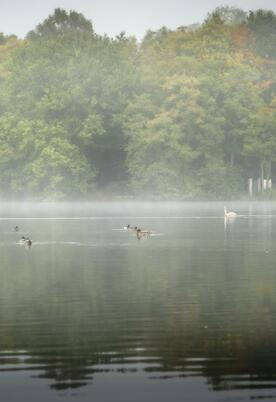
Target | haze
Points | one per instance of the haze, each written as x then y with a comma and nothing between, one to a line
111,17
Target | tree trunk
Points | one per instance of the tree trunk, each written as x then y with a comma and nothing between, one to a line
250,186
262,175
268,170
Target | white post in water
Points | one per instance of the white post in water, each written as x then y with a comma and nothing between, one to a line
265,184
269,184
259,188
250,186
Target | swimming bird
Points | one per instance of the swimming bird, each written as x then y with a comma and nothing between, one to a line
28,242
22,240
229,214
141,233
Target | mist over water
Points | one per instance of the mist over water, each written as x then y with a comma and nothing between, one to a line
90,312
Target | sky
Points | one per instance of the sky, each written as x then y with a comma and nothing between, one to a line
134,17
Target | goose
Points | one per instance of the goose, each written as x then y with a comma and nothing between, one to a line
229,214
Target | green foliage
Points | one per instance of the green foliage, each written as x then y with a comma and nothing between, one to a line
218,180
229,15
186,113
262,23
37,159
60,24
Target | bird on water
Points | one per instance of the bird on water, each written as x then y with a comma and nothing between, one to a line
229,214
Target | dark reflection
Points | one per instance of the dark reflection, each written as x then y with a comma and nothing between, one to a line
247,367
67,374
196,301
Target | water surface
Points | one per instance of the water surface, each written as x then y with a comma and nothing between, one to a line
92,313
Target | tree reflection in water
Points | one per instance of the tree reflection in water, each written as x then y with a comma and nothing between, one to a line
199,301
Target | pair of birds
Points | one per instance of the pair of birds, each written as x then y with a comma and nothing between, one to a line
139,232
25,241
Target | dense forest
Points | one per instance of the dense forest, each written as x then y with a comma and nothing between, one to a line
184,114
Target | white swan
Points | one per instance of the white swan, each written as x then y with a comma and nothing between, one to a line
229,214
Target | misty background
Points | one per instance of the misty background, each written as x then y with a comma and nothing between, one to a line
183,113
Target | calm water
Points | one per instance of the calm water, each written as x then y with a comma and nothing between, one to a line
91,313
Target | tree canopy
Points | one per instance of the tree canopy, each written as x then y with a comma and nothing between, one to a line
186,113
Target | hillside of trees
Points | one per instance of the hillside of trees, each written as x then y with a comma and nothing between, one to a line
184,114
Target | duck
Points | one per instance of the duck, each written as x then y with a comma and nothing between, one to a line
229,214
28,242
22,240
141,233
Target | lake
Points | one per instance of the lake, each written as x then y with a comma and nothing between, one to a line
92,313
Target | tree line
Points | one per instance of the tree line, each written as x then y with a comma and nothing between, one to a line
187,113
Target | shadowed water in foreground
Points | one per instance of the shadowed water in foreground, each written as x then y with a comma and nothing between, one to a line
90,312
